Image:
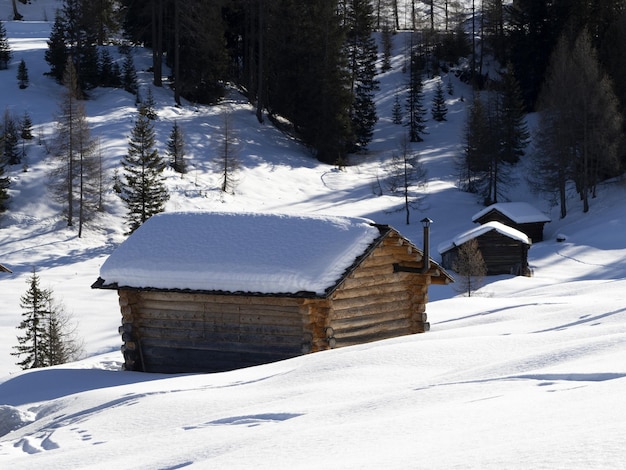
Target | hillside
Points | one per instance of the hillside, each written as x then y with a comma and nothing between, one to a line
528,373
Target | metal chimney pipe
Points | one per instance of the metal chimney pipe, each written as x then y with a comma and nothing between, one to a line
426,263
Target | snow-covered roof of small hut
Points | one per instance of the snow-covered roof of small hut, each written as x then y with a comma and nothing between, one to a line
518,212
239,252
480,230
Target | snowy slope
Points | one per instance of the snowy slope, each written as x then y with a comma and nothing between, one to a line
528,373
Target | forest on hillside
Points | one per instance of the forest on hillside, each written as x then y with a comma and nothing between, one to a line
311,66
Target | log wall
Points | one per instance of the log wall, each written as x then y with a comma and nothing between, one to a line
176,332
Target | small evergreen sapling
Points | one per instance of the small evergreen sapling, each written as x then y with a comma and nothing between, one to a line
22,75
176,149
439,108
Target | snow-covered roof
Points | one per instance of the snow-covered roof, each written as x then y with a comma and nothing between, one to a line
518,212
239,252
480,230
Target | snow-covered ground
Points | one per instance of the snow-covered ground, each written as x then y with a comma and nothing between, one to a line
527,373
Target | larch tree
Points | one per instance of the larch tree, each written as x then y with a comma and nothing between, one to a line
5,182
470,266
143,187
228,161
72,176
580,124
406,177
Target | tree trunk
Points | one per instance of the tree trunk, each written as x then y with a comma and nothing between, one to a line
16,14
260,98
157,39
177,52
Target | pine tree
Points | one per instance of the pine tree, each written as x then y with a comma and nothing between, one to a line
49,335
22,75
362,54
26,126
470,266
396,111
143,185
57,53
439,108
11,140
515,136
175,149
5,183
148,106
407,178
33,343
129,75
415,98
387,40
108,75
5,48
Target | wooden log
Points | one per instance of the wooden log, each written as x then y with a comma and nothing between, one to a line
218,299
371,290
358,302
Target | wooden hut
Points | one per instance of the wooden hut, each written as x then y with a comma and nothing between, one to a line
4,269
519,215
204,292
504,249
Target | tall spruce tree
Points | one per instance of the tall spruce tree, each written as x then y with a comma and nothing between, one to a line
439,110
143,186
5,48
416,113
129,75
49,336
32,344
57,52
515,136
361,52
10,133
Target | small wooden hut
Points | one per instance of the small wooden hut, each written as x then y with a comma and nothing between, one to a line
4,269
519,215
504,249
205,292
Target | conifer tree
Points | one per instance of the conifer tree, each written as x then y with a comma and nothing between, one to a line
143,186
11,139
362,54
396,111
26,126
515,136
228,161
175,149
439,108
71,178
5,48
22,75
33,343
129,75
470,266
48,334
57,53
387,40
415,109
108,74
5,182
147,107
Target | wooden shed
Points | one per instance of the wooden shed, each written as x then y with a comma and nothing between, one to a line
504,249
519,215
206,292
